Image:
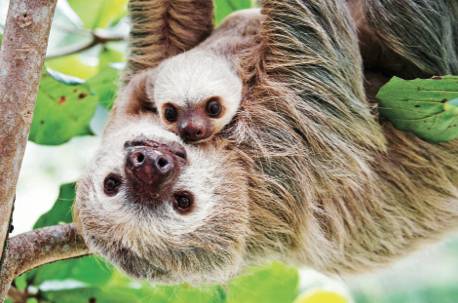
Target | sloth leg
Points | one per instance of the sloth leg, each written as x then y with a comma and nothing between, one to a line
163,28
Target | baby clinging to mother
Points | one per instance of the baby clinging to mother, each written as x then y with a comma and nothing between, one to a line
272,149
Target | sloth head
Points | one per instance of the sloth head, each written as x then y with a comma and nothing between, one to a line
159,209
196,94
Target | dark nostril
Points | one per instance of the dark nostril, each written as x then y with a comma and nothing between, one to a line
162,162
140,158
199,133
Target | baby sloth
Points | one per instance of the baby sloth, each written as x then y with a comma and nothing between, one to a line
196,94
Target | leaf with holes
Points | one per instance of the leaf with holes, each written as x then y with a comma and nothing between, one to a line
426,107
64,110
99,13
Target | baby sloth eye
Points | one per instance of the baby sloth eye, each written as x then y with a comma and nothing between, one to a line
183,202
170,113
213,107
111,184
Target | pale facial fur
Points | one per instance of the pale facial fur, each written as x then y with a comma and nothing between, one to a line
154,240
188,82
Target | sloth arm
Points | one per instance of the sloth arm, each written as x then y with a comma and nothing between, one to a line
164,28
311,48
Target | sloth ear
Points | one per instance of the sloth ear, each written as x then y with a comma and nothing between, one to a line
136,97
161,29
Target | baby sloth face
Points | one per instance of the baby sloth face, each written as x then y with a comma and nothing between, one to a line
161,210
196,94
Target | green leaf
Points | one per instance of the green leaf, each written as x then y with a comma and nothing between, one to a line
21,282
425,107
91,270
272,284
99,295
225,7
109,55
61,212
99,13
104,85
64,109
185,294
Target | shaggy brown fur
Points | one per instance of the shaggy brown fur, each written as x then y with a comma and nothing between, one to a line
163,28
328,185
353,195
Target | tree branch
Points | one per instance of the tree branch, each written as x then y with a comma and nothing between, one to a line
32,249
21,61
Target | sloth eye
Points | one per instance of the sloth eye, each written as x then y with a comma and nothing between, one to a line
111,184
170,113
213,107
183,202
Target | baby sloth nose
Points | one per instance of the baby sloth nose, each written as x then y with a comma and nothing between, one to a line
193,131
148,166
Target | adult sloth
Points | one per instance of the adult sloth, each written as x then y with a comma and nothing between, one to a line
305,173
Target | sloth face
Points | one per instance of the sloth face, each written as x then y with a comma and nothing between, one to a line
196,94
161,210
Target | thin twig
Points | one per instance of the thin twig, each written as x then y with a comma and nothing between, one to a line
97,39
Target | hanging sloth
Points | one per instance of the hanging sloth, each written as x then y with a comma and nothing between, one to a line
302,170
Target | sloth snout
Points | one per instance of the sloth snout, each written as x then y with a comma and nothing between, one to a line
148,166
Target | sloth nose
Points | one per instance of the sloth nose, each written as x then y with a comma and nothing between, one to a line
148,166
191,132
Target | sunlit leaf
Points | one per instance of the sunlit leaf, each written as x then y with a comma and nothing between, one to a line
99,13
64,109
425,107
72,65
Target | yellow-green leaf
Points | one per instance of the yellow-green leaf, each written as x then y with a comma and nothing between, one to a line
99,13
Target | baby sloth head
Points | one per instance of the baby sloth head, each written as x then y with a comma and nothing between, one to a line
197,93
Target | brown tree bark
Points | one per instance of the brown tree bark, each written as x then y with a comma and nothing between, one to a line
32,249
21,62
